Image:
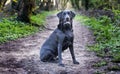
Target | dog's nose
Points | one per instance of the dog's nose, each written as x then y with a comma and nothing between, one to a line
67,19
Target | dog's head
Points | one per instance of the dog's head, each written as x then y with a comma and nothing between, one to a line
66,16
65,20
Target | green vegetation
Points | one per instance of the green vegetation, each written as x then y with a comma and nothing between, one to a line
116,58
107,34
11,29
98,72
114,68
100,63
39,19
107,37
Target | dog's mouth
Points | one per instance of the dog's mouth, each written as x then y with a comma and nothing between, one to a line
67,23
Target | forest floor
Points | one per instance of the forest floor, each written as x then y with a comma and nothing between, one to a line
22,55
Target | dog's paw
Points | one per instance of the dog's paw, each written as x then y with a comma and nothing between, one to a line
75,62
62,65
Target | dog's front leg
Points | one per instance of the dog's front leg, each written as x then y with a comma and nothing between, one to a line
72,54
60,55
61,37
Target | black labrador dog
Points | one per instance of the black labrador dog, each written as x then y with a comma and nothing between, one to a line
61,39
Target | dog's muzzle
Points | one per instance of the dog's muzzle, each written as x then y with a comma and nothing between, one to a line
67,23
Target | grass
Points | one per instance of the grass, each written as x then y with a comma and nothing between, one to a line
107,34
116,58
39,19
100,64
114,68
11,30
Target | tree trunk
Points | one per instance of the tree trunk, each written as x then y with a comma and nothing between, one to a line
63,4
86,4
2,4
72,2
26,7
77,4
56,4
118,1
48,5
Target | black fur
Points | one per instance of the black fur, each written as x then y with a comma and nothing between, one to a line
61,39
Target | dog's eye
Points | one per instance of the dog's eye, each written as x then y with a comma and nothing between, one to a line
64,13
68,12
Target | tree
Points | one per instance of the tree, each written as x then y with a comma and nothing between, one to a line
45,5
25,8
86,4
48,5
57,4
75,4
2,4
63,4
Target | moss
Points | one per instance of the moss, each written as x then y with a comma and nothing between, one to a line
100,64
100,55
116,58
114,68
98,72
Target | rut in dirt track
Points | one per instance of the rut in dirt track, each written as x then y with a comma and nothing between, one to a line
22,56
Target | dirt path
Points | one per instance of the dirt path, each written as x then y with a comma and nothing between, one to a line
22,56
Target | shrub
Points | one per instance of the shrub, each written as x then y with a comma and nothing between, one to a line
12,29
107,34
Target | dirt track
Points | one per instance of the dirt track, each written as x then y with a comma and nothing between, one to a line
22,56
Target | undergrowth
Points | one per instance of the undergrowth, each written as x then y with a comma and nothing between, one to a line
39,19
11,29
107,35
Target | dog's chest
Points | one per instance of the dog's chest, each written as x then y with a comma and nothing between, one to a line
68,39
68,35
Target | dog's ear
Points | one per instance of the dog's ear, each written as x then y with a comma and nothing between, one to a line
59,15
72,14
60,26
